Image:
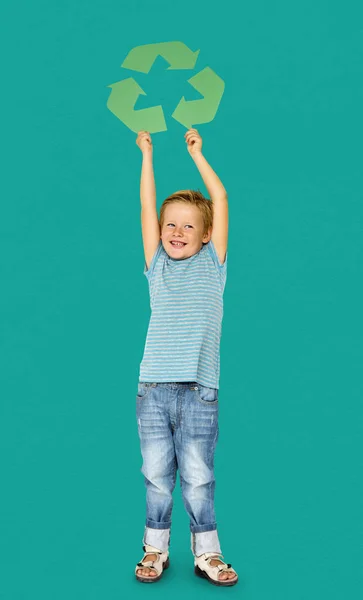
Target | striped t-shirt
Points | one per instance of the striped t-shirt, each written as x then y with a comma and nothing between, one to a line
186,299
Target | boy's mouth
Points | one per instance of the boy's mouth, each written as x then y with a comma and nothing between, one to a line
178,244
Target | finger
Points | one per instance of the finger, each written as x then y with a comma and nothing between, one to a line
192,139
192,136
192,133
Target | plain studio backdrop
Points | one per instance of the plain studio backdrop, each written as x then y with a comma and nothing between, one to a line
287,144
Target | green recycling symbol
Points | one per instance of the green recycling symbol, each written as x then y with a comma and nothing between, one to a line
124,94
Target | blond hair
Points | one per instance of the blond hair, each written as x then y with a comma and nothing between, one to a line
194,198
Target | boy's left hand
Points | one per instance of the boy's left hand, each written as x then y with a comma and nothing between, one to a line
194,141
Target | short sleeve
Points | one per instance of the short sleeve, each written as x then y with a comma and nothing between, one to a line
221,269
214,255
149,271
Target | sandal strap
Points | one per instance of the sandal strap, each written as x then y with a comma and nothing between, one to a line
212,554
146,563
151,549
221,567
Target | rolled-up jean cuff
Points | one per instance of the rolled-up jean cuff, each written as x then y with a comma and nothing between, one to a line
206,541
202,528
158,525
159,538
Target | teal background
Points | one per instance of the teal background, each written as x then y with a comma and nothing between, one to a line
287,144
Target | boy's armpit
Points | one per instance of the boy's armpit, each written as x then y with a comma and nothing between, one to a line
221,255
150,232
149,269
216,258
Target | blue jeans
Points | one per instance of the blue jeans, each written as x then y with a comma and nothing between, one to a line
178,429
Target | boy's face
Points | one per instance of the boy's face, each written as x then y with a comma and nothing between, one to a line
183,223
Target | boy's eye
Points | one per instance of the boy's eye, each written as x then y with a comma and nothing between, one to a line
185,226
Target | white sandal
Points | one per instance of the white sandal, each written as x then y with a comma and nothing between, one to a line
204,569
158,565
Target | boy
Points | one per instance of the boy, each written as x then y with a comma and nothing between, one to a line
177,400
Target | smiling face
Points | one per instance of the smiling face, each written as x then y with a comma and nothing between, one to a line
183,223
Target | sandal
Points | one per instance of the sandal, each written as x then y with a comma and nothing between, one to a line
204,569
158,565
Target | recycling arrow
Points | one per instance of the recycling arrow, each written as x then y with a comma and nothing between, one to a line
211,86
177,54
121,103
124,94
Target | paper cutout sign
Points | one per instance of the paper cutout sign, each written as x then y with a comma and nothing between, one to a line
121,102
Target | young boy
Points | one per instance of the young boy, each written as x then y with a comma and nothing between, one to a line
177,400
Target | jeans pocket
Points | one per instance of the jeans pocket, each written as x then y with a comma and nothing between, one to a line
143,389
206,395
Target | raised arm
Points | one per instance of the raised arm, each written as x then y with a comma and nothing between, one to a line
216,191
149,216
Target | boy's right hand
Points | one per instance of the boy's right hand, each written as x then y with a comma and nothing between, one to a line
144,142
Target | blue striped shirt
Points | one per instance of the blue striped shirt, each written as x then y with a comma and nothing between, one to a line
186,300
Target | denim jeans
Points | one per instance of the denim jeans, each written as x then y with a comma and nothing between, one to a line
178,429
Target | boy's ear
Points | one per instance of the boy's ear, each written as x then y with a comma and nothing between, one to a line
208,235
